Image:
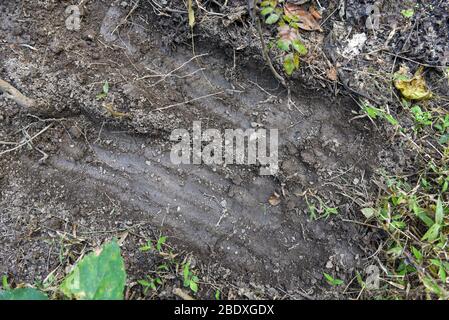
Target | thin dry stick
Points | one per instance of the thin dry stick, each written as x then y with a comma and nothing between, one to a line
26,141
12,93
127,16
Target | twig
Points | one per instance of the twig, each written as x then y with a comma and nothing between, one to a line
265,49
26,140
127,16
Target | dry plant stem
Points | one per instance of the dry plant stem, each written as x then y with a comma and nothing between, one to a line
265,52
26,141
12,93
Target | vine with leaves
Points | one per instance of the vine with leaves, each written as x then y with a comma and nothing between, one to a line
287,17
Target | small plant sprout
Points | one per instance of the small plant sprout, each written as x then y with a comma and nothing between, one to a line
147,247
332,281
105,91
190,280
408,13
150,283
160,242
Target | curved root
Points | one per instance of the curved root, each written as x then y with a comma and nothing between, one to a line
12,93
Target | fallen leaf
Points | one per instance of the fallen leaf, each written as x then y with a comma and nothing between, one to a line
414,88
286,33
274,199
290,37
114,113
368,212
303,19
332,74
315,13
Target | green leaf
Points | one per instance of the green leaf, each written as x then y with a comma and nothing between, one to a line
289,64
283,44
444,139
106,87
408,13
266,11
272,18
371,112
439,212
147,247
160,242
432,233
299,47
431,285
193,286
5,282
391,119
417,254
101,96
98,276
332,281
186,274
22,294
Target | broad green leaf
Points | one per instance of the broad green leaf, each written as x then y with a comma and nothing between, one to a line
194,286
422,215
283,44
432,233
22,294
444,139
299,47
431,285
98,276
272,18
289,64
266,11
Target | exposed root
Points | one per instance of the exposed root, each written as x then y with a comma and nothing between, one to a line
12,93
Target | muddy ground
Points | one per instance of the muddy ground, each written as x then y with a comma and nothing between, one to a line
96,169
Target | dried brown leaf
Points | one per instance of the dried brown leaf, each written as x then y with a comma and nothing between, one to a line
274,199
307,20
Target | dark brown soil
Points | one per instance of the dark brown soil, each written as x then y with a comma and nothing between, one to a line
96,174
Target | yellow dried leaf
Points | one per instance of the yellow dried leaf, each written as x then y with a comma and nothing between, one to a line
414,88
